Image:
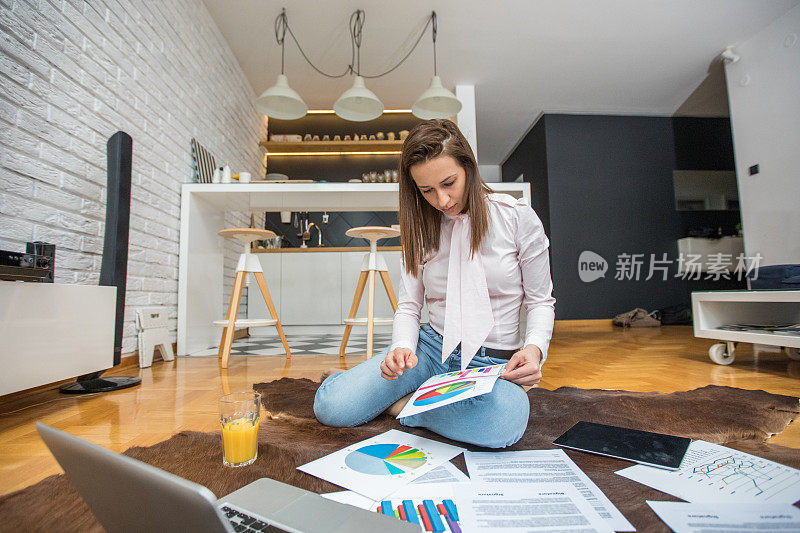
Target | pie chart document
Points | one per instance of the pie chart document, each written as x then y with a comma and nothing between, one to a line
444,389
379,466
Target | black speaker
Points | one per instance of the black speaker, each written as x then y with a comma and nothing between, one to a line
114,267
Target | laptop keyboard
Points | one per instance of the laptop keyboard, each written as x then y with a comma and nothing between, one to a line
242,521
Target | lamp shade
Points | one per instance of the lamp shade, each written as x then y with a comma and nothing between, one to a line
358,103
436,102
281,102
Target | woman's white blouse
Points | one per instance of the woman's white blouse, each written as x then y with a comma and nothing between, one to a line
517,265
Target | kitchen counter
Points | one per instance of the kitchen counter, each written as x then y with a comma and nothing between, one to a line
203,206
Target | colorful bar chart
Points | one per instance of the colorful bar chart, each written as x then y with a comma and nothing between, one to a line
435,517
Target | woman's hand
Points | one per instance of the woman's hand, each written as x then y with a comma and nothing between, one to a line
524,367
396,362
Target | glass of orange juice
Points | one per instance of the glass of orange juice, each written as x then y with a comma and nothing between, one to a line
239,414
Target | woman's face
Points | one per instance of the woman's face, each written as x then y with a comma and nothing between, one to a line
442,182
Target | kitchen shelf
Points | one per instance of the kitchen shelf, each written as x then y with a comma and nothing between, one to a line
334,147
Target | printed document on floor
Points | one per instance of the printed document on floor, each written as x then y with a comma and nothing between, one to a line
526,508
704,517
527,467
714,473
378,466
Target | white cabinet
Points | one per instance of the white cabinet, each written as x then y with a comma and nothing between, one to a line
317,288
726,249
256,307
50,332
311,288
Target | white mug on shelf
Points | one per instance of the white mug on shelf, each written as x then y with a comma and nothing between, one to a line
244,177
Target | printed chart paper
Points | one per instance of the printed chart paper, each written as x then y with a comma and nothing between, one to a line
714,473
541,468
378,466
446,473
444,389
699,517
432,507
526,509
437,483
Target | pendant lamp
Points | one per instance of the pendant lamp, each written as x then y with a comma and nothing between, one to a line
280,101
358,103
435,101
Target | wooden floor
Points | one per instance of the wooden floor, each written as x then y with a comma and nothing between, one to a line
182,394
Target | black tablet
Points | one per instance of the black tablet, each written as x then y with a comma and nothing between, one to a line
652,449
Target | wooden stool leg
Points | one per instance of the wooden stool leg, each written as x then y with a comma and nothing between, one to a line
387,284
233,312
262,284
370,312
362,281
225,382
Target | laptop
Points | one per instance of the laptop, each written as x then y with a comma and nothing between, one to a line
129,495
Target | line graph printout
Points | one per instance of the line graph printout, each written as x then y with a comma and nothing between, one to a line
714,473
451,387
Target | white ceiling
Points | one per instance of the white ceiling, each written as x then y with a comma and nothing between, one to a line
524,57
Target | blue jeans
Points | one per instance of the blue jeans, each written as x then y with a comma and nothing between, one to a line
493,420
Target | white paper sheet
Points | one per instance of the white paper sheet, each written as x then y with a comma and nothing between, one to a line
444,389
698,517
526,508
351,498
378,466
542,467
714,473
446,473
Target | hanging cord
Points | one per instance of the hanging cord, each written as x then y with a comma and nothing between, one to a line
434,31
356,26
285,27
432,18
280,32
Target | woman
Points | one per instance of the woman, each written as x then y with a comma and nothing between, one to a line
474,257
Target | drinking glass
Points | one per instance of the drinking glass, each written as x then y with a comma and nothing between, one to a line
239,414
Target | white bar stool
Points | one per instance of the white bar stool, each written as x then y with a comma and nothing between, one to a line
248,263
373,262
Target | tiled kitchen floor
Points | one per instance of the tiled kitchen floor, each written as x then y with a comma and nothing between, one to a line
307,344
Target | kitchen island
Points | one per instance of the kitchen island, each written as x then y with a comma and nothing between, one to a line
200,268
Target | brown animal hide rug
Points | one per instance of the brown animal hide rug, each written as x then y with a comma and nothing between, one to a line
291,436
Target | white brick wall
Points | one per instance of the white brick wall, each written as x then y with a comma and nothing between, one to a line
72,73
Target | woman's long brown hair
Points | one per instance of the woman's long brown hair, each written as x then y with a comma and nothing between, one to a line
420,222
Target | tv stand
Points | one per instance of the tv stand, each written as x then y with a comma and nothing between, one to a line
713,309
53,331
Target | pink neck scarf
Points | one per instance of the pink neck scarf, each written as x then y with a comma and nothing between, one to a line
468,317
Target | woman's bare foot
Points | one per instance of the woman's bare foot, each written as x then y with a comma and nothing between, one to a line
397,406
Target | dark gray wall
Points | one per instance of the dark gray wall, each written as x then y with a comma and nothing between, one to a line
609,190
530,160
